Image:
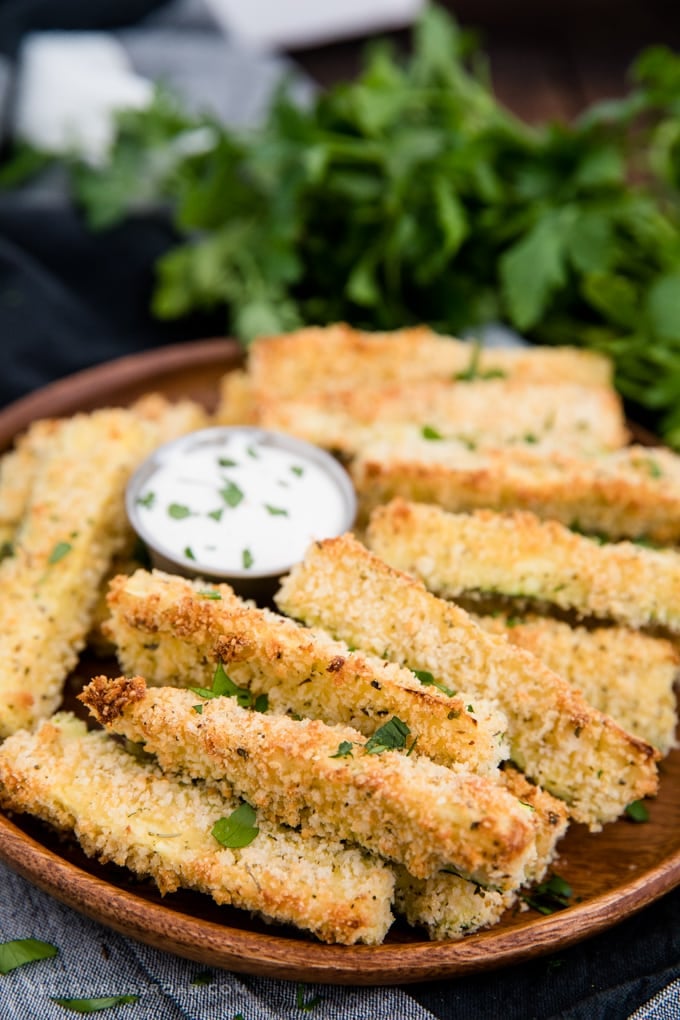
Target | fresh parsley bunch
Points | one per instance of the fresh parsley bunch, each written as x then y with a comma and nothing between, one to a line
411,195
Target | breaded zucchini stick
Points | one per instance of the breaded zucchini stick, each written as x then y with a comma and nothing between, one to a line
571,749
518,555
175,631
297,363
17,470
328,780
127,812
450,907
567,416
629,493
628,675
73,524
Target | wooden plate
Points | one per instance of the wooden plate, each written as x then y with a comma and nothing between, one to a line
613,873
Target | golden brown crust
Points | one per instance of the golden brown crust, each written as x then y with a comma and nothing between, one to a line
516,554
302,671
574,751
404,808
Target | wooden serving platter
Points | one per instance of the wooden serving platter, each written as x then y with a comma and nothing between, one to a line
613,873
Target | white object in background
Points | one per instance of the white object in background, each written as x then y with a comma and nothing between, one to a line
273,24
70,85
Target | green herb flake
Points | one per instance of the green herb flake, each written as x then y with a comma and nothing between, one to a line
198,709
297,470
216,514
428,680
389,737
429,432
344,750
551,895
147,500
530,437
20,951
305,1004
276,511
204,977
231,494
637,811
224,687
96,1005
247,559
252,451
261,703
6,550
238,830
209,594
189,553
227,462
60,550
178,511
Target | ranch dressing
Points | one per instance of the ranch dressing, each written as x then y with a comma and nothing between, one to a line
238,502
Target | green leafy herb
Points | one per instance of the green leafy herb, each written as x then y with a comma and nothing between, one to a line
147,500
391,736
178,511
303,1003
276,511
6,550
427,678
198,709
227,462
419,197
247,559
551,895
216,514
429,432
189,553
637,811
60,550
20,951
209,593
344,749
224,687
297,470
231,494
238,830
96,1005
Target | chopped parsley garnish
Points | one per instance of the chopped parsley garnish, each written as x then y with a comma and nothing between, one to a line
389,737
6,550
204,977
252,452
198,709
60,550
429,432
189,553
637,811
344,750
96,1005
276,511
428,680
247,559
530,437
227,462
224,687
297,470
231,494
238,830
20,951
148,500
178,511
209,594
216,514
305,1004
551,895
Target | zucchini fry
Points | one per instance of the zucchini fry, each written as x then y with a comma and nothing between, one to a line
175,631
517,555
628,675
629,493
328,780
297,363
559,416
161,828
564,745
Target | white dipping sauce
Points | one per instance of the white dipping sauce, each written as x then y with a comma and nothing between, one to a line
239,501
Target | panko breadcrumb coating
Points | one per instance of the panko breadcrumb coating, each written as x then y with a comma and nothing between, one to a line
556,737
520,556
175,631
125,811
326,780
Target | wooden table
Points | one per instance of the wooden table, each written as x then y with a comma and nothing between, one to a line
549,59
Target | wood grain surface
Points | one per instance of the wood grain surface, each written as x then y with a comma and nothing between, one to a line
613,873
